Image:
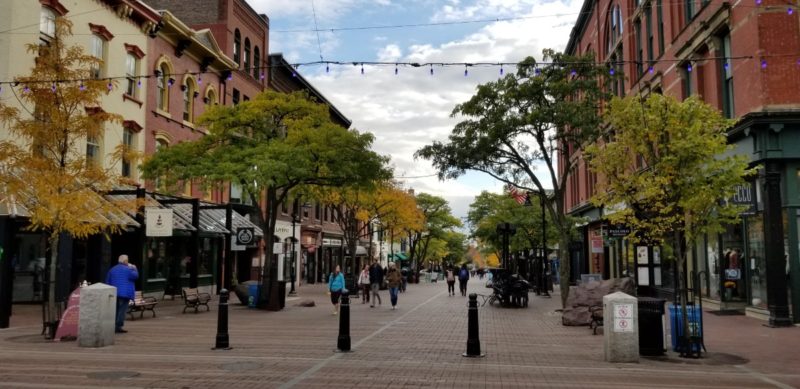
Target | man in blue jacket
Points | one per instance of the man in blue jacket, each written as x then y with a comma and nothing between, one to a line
122,276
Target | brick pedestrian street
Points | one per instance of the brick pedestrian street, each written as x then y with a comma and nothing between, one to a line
418,345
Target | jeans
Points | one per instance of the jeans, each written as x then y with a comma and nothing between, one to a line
375,296
393,295
122,309
365,293
462,286
451,287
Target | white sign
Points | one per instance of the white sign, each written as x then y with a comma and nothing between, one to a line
623,317
331,242
158,221
235,246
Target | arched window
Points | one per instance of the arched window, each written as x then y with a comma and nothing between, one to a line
256,62
237,46
189,88
210,98
247,55
161,143
162,87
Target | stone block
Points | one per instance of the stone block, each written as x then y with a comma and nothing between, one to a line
620,328
98,307
589,294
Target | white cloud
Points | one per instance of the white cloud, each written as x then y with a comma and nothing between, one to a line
389,53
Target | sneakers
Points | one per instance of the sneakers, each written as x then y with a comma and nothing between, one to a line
335,313
372,306
120,331
394,307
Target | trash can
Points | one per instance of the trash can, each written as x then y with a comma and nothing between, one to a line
676,323
252,295
651,326
282,293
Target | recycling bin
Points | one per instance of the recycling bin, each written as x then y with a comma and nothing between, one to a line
676,323
252,295
651,326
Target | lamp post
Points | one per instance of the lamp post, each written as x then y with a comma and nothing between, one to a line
296,218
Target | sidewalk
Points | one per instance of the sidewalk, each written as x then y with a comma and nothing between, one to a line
418,345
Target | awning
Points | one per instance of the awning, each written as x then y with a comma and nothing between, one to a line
10,206
94,208
178,223
237,220
398,256
207,223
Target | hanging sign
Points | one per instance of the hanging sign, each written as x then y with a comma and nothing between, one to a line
623,317
158,221
245,236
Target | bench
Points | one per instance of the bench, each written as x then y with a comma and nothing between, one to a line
192,298
141,304
596,312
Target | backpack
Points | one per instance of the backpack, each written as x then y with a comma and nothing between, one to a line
463,274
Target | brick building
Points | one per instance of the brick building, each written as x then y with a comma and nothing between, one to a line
743,59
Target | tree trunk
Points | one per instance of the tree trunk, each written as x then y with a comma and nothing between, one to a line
682,292
565,266
51,313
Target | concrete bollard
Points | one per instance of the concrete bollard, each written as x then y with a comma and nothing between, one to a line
620,328
97,317
343,343
222,342
473,340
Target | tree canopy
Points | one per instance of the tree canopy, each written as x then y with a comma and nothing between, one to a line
527,120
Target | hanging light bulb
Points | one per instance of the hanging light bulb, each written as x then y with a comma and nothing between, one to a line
26,89
501,69
431,69
573,73
650,70
611,71
199,80
466,71
327,68
262,77
790,10
139,83
763,64
82,87
537,71
110,86
230,76
395,69
53,88
689,68
725,65
758,2
362,68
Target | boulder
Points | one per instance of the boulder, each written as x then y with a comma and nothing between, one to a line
589,294
242,291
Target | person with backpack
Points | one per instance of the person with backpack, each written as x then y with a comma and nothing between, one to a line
451,281
463,277
363,284
393,279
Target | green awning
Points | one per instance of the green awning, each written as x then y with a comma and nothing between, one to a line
398,256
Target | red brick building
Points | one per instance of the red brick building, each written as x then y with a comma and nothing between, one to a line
743,58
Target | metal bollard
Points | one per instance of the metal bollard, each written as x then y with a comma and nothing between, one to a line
473,341
222,322
343,343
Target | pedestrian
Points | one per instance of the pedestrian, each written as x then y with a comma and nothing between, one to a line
463,277
451,282
363,284
393,280
335,287
122,277
404,273
375,279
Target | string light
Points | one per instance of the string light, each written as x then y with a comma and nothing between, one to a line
466,71
53,88
362,68
573,73
758,2
26,89
327,68
110,86
262,76
650,70
395,69
139,83
199,80
82,87
431,69
501,69
790,10
689,68
537,71
611,71
230,76
763,64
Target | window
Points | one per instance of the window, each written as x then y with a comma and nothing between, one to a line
317,212
648,20
686,75
131,64
256,62
637,25
660,21
237,47
162,93
247,55
98,46
128,144
614,28
47,22
211,98
325,213
236,193
688,8
236,96
188,89
161,143
92,151
727,78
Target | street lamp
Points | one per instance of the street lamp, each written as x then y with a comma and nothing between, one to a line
296,218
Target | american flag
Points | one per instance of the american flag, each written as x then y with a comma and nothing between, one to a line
516,194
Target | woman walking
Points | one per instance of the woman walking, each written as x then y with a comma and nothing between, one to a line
393,280
363,284
451,282
335,287
463,277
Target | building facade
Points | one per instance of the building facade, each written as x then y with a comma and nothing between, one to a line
742,59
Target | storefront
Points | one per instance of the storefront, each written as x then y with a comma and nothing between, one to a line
288,249
331,254
309,257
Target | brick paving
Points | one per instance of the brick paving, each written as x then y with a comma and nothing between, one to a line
418,345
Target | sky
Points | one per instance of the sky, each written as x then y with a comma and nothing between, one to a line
410,109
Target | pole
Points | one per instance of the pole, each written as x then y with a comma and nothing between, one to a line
343,342
292,292
545,286
473,339
777,297
222,342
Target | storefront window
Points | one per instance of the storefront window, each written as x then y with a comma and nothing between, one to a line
712,267
157,259
732,264
208,256
756,263
28,267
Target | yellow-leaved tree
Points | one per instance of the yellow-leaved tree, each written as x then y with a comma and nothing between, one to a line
43,160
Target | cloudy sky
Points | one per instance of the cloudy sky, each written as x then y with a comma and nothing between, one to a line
411,109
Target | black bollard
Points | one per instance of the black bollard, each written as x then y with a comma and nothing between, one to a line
473,341
222,322
343,344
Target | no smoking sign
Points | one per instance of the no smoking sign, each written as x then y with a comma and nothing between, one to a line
623,317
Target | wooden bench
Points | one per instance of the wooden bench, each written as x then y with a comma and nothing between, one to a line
596,312
192,298
141,304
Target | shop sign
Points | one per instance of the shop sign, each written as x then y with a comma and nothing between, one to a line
158,221
245,236
743,195
618,231
331,242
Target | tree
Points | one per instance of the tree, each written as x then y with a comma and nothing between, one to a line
272,146
511,124
665,172
438,219
44,165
